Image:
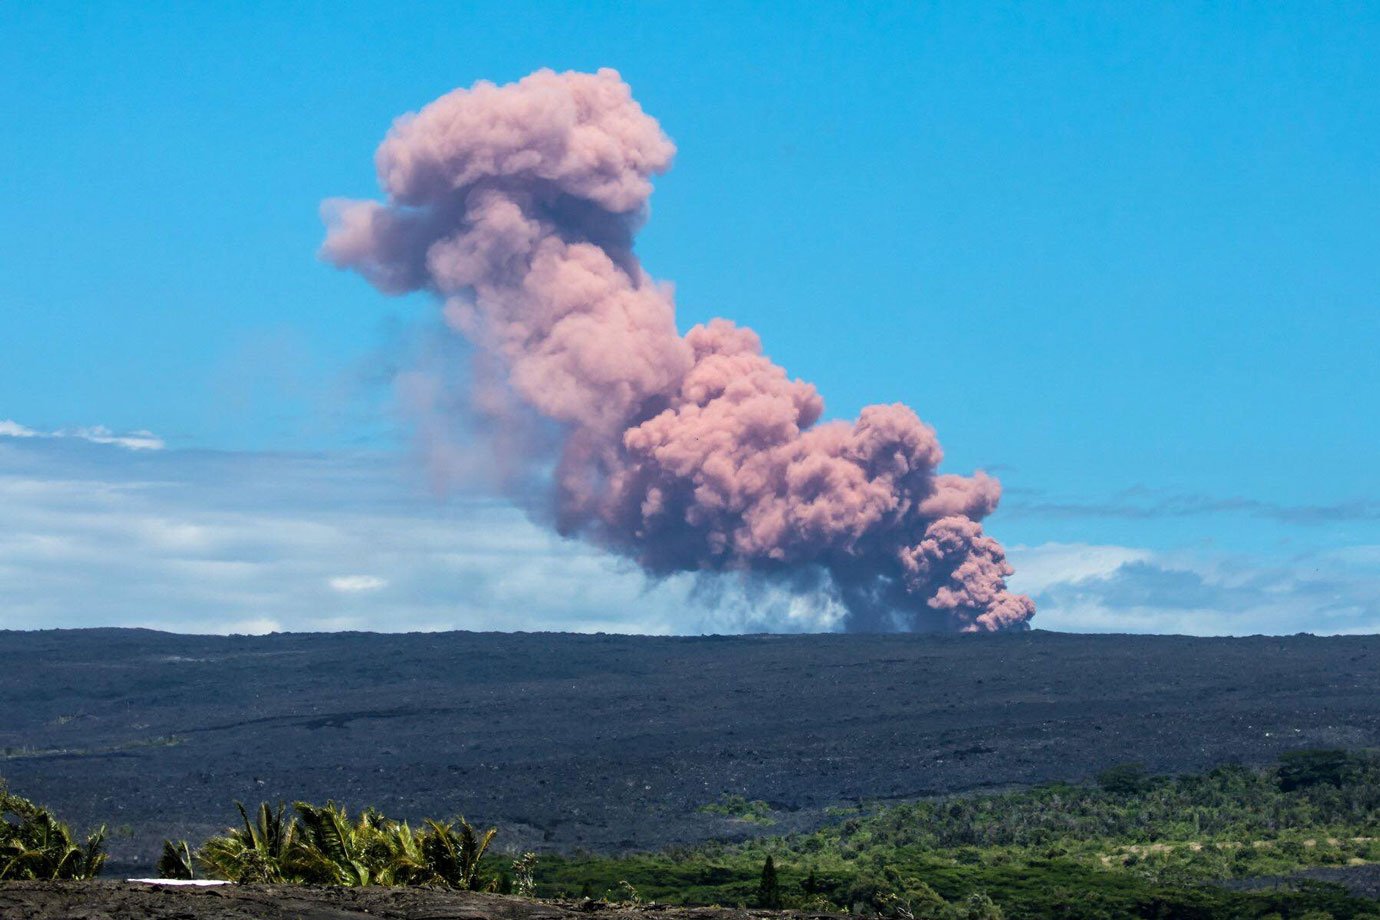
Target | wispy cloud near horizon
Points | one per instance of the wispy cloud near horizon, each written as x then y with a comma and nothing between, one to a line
1123,589
224,542
97,534
96,434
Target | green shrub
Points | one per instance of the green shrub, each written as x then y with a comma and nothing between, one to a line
1124,779
323,845
1303,769
34,844
737,806
176,861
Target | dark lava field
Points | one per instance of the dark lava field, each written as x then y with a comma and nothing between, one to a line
614,742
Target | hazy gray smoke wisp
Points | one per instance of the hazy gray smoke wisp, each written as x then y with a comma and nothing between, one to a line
516,205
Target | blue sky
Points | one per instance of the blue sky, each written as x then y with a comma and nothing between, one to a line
1126,259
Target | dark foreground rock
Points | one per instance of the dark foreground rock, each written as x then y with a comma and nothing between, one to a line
131,901
616,742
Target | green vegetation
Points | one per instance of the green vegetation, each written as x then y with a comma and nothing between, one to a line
34,844
176,861
768,888
28,753
737,806
1133,845
323,845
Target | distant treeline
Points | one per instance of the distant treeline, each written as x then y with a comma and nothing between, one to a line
1131,845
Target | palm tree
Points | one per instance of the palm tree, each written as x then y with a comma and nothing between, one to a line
176,861
406,859
453,855
34,844
259,851
322,845
373,850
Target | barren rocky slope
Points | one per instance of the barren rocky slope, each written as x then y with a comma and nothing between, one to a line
607,742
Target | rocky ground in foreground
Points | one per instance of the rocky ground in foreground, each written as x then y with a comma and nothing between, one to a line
617,742
126,901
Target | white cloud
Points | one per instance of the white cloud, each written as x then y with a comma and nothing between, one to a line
249,543
354,584
96,434
12,429
99,434
204,542
1124,589
1039,567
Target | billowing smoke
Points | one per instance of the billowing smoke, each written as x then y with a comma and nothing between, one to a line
516,206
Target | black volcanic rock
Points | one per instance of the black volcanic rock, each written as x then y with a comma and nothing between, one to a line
610,742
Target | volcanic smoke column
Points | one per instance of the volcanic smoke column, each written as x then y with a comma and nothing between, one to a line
516,206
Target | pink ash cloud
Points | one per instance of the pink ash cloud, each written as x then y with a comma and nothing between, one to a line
516,206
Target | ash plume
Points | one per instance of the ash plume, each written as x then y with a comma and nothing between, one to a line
516,206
